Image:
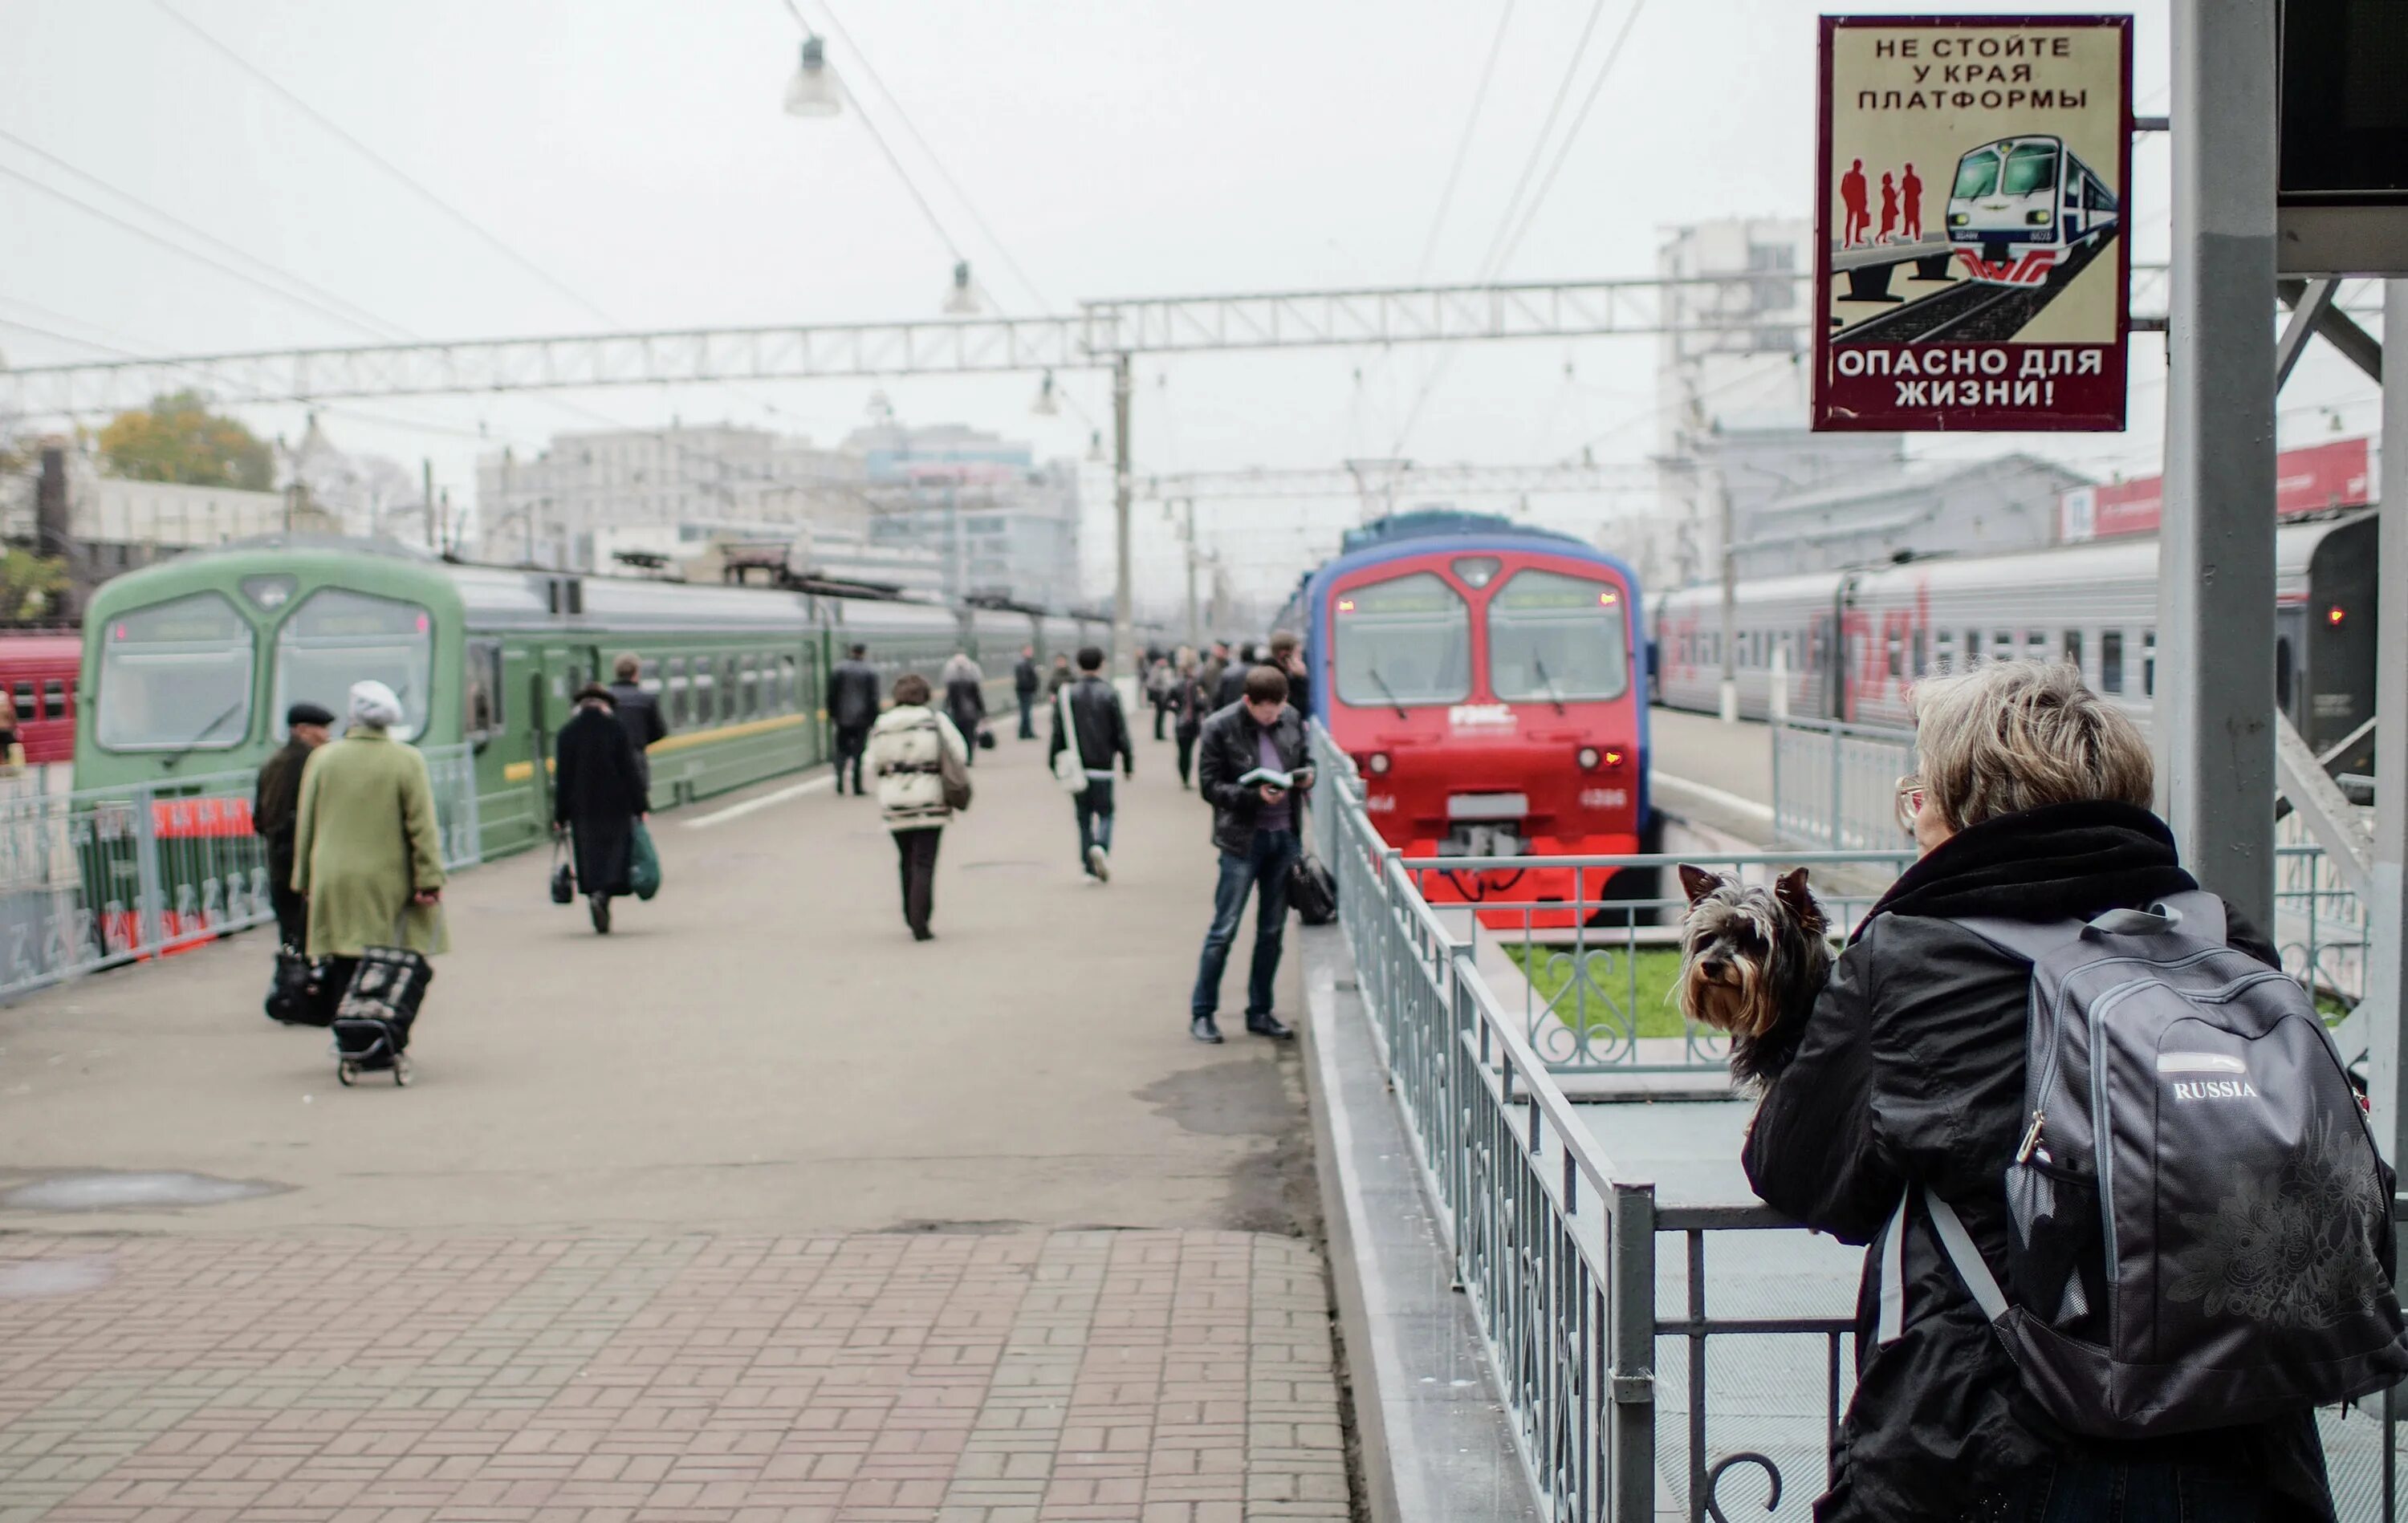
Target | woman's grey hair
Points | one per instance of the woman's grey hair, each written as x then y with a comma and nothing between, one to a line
2014,735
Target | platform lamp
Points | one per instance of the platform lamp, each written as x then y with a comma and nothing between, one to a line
1045,406
962,301
813,90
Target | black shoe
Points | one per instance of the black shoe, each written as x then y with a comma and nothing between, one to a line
1205,1029
600,904
1271,1027
921,932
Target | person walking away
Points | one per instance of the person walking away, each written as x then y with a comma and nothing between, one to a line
965,697
366,851
1161,683
1024,684
906,748
638,713
599,796
1232,688
1215,665
1909,189
1061,676
852,709
275,813
1100,732
2032,805
1287,654
1254,825
1191,701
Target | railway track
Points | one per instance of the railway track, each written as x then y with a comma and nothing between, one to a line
1970,311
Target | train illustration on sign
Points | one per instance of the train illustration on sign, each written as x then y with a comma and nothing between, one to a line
2022,207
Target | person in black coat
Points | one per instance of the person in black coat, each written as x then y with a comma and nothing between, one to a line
1024,683
1232,687
1100,731
598,795
275,809
639,712
2032,804
852,709
966,698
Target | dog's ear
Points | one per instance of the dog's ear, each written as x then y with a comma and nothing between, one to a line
1790,889
1697,883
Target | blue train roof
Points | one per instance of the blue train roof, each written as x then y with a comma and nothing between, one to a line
1432,523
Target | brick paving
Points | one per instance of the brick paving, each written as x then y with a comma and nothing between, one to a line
1160,1377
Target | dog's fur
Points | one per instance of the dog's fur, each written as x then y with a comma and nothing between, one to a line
1752,961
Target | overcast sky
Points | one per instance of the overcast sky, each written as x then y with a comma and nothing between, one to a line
630,168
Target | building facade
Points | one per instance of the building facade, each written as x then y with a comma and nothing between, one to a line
1919,507
1002,523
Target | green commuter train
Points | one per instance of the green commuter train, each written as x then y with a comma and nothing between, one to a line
190,665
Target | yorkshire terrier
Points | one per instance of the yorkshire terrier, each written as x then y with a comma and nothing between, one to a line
1752,961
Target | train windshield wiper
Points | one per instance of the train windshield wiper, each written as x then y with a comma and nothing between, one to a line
1552,695
206,731
1393,702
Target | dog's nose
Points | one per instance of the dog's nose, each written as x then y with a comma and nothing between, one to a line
1713,967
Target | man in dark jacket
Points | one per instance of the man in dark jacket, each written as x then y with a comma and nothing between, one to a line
1024,683
639,712
598,794
1255,826
1287,654
1061,676
274,810
1233,677
1102,733
852,709
1909,1072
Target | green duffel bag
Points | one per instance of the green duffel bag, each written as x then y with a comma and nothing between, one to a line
643,863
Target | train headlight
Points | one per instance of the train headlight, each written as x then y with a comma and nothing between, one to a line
1588,757
2037,219
1959,219
1377,764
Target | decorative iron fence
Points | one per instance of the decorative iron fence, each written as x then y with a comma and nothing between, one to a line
1635,1389
93,879
1835,785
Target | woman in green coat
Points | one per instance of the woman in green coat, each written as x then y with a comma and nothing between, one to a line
366,849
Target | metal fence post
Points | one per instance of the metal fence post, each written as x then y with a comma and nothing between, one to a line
1779,744
1630,1322
1839,796
149,923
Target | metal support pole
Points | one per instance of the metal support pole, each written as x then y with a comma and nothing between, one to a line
1730,604
426,497
1195,630
1122,613
2386,908
2215,736
1630,1331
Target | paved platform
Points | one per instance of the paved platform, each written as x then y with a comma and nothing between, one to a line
754,1209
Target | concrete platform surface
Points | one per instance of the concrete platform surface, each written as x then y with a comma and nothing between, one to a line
754,1209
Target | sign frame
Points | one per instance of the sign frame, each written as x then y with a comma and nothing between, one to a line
1830,412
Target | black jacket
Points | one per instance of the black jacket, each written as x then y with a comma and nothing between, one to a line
966,705
1024,677
274,808
640,715
598,789
1191,703
1910,1070
852,695
1226,751
1232,688
1103,729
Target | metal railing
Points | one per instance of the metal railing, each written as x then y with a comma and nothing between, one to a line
1616,1375
93,879
1835,785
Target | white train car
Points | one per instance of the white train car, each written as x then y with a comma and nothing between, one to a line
2021,206
2093,605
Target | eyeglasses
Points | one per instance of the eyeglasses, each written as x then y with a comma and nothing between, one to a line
1909,801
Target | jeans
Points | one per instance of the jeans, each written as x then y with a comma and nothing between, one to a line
1186,739
2078,1490
1266,866
1095,817
1027,716
1161,712
916,854
850,742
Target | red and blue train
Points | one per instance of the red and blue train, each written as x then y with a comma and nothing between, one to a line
1486,679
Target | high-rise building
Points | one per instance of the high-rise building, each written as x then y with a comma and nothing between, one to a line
1002,523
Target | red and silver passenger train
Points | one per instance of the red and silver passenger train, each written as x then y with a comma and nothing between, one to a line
1485,679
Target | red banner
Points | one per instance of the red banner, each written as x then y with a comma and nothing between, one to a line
2337,475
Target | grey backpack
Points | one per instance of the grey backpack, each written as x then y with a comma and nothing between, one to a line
2196,1208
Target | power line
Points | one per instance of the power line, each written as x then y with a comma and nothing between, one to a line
1546,128
485,235
364,318
1463,144
900,173
853,54
1571,136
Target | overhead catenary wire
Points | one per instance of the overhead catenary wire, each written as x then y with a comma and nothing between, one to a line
1504,256
1463,143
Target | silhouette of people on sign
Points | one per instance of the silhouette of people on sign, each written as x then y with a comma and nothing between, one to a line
1889,211
1910,190
1852,196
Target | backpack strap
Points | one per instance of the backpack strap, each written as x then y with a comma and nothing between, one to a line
2193,911
1889,1316
2031,940
1972,1267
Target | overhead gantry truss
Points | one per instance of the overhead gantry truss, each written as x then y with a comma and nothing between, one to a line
1396,478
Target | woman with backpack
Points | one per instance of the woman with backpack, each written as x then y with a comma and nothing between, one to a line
1903,1111
908,746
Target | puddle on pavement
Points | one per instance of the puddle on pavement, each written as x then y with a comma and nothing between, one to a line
31,1279
95,1190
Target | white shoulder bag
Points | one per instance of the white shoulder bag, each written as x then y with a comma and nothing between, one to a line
1070,767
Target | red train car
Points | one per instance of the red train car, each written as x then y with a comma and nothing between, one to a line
1486,680
38,674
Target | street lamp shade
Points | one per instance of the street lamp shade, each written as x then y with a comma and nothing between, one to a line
1045,406
813,90
962,301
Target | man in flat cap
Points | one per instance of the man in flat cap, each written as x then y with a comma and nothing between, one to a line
272,816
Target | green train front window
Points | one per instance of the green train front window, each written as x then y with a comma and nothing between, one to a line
1552,638
335,637
175,677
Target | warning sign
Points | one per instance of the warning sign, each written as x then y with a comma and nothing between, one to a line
1972,217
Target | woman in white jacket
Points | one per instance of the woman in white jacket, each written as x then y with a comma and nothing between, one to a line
906,749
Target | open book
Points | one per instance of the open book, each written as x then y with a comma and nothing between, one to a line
1264,777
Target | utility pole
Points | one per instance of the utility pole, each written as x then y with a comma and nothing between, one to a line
2387,909
1730,599
2214,733
1121,481
426,496
1195,631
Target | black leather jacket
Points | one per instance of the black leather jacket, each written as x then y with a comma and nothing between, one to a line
1103,729
852,695
1024,677
1226,751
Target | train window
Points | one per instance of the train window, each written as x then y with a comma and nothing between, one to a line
2110,660
2073,649
1896,643
1921,652
790,687
2002,644
28,707
2283,674
706,691
1407,640
1972,649
681,704
728,692
2149,663
482,687
1552,637
54,698
335,637
751,685
1944,653
2036,646
176,676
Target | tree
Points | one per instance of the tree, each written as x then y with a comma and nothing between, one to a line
30,585
176,438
